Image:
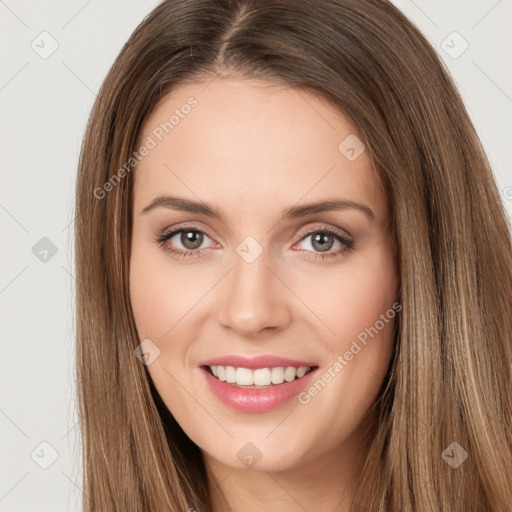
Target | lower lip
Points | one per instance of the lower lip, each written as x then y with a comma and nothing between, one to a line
256,400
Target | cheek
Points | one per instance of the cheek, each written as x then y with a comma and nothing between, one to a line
351,297
357,308
150,298
161,294
361,308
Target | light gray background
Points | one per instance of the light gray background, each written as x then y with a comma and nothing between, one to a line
44,104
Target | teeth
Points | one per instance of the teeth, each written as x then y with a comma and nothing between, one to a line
301,371
244,377
290,373
260,376
230,374
277,375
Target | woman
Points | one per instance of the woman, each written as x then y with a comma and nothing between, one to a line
224,362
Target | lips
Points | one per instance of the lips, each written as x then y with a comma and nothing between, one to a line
258,384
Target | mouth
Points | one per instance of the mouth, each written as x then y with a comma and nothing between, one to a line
258,378
257,385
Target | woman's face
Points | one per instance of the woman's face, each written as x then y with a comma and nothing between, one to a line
261,285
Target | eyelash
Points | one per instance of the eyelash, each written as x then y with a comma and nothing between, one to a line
165,236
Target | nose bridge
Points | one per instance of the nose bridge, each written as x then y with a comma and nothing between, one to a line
253,300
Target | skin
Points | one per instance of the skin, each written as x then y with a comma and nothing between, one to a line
252,149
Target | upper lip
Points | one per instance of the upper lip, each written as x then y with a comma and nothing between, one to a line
253,363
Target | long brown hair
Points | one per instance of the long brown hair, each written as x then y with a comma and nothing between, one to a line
450,376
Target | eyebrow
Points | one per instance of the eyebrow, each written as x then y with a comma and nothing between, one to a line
203,208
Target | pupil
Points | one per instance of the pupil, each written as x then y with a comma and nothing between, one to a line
187,239
322,239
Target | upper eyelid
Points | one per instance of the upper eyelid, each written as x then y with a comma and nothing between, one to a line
314,229
178,229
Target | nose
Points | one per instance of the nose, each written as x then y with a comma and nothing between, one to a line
254,298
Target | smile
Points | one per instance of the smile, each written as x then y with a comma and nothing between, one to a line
256,384
258,378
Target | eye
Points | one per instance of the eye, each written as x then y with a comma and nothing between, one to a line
191,239
323,239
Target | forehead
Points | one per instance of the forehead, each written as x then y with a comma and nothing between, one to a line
252,145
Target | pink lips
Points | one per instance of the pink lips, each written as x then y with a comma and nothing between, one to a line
256,400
